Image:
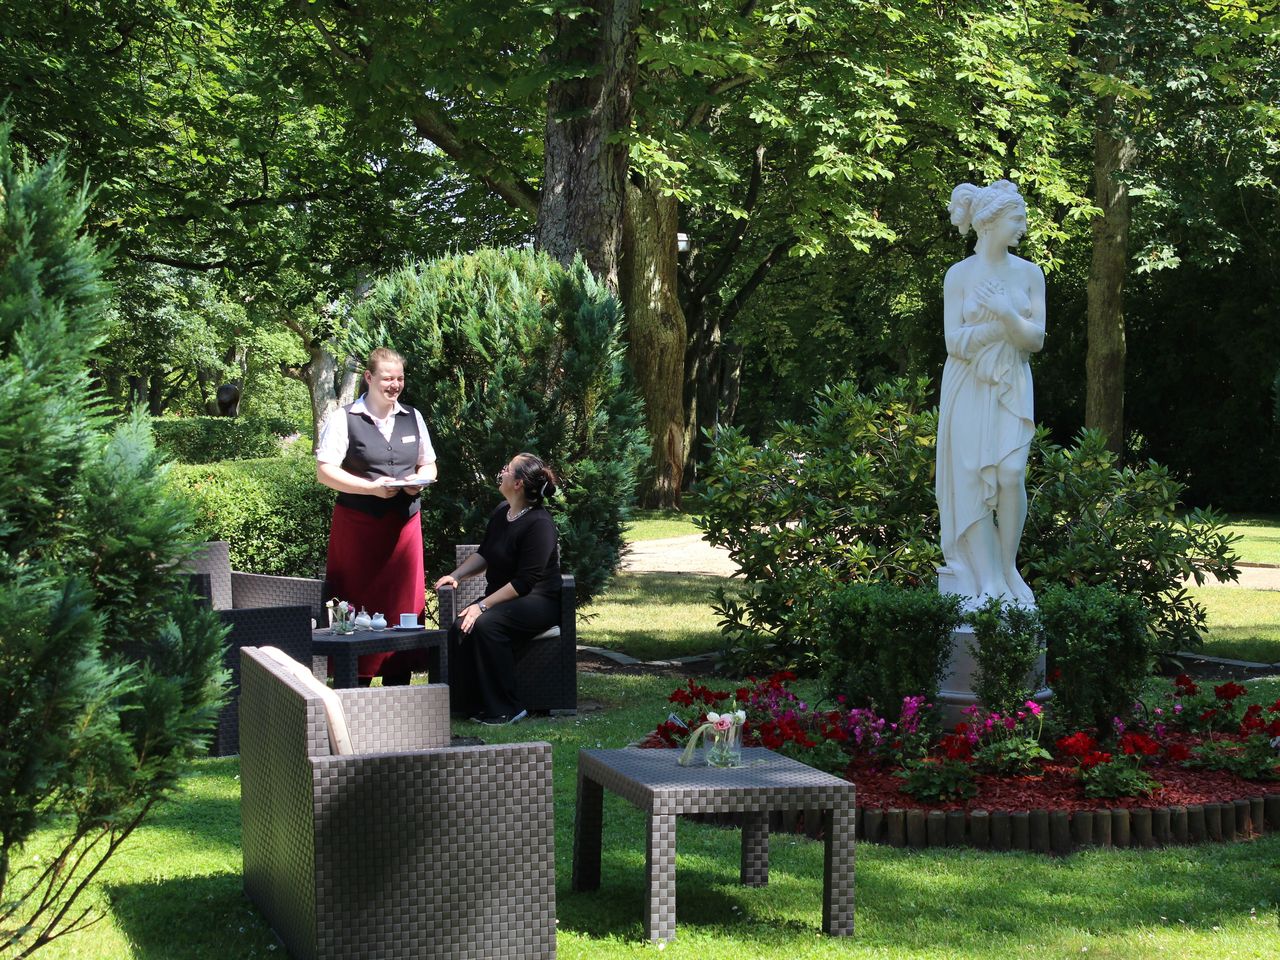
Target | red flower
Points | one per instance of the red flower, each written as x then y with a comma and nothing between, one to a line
956,747
1177,753
1093,758
1077,745
1054,676
1208,715
1229,691
1185,685
742,694
1134,743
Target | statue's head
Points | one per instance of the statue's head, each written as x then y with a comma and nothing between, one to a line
981,207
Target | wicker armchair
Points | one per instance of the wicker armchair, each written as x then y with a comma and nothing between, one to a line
547,665
403,847
260,610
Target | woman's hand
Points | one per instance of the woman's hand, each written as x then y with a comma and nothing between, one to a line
448,580
379,488
470,615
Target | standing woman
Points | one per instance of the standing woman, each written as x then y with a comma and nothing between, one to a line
520,557
366,451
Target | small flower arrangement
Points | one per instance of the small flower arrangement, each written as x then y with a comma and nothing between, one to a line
341,616
725,731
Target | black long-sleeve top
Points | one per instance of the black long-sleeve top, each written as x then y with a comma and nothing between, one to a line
523,552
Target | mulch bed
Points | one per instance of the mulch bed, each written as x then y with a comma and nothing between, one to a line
1059,789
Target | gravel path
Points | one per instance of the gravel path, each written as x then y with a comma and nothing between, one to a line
691,554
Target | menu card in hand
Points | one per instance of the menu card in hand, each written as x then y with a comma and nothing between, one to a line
408,482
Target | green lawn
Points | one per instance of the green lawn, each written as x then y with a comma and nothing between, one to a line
174,891
1261,533
655,616
658,525
1243,624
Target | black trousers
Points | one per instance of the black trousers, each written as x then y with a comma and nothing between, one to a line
482,663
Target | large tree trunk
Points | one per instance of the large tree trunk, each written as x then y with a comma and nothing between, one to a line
586,156
1113,154
329,384
656,331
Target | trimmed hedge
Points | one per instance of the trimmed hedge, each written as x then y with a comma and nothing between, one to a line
272,512
1100,653
213,439
883,643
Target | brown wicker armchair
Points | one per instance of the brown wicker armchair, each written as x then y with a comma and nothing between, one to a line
260,610
404,847
547,665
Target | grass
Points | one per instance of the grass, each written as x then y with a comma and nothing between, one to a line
655,616
1261,533
174,891
1243,624
658,525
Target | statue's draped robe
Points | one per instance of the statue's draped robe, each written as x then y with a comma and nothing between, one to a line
986,413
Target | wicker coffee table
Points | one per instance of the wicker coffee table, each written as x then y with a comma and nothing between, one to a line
654,782
346,649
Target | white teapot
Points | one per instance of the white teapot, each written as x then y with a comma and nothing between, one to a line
378,622
363,621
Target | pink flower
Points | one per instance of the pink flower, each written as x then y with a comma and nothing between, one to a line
723,722
1033,708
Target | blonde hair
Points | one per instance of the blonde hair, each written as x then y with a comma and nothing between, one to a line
382,355
979,207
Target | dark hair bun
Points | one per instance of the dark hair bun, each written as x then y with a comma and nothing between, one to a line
540,481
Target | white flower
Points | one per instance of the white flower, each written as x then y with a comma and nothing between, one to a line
740,716
712,717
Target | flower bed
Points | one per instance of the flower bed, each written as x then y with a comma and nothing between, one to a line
1199,765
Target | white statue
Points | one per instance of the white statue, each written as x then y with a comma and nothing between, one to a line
994,320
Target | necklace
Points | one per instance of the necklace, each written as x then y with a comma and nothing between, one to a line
511,519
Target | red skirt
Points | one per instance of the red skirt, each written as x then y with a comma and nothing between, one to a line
376,563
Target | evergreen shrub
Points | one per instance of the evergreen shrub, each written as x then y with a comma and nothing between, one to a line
883,643
507,351
1005,647
110,674
1100,652
211,439
272,512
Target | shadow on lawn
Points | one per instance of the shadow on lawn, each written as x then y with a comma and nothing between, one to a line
191,918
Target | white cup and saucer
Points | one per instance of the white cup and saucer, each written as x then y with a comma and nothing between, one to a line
408,621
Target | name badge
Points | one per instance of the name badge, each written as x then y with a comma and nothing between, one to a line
409,440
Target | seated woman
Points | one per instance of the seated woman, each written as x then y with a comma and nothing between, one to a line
520,558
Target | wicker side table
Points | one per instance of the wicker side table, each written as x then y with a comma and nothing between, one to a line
653,781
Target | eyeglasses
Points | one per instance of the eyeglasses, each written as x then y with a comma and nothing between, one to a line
505,471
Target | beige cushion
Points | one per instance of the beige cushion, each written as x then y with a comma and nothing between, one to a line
339,737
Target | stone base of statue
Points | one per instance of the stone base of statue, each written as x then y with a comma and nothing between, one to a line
955,693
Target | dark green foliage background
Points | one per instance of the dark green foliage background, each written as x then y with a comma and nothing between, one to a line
506,351
210,439
272,512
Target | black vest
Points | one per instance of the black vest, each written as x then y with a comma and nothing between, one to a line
370,455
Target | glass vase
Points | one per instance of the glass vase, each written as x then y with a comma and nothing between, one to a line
726,747
344,628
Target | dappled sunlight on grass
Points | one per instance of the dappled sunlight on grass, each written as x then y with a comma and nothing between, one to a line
1260,534
656,616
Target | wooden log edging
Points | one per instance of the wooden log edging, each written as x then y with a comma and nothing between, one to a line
1060,832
